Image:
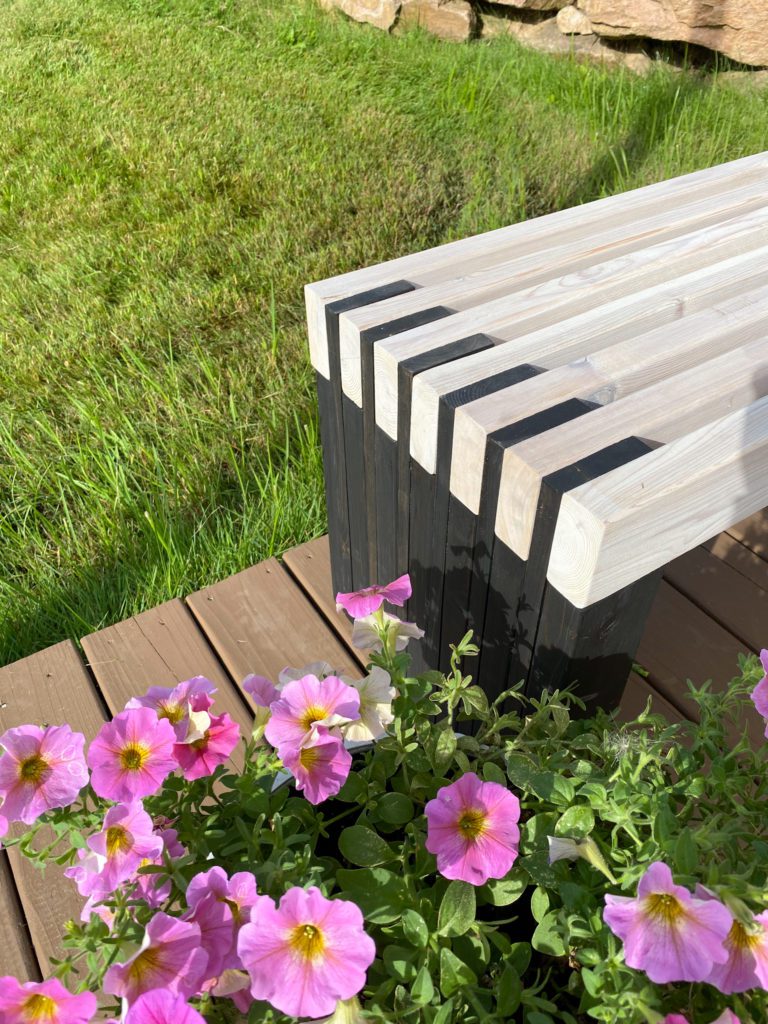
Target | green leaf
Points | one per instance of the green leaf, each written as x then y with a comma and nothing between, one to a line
453,973
415,929
395,808
577,822
546,785
475,698
519,957
445,748
445,1013
546,938
381,895
492,773
503,891
686,854
422,989
353,789
508,991
399,963
539,904
541,871
457,909
362,846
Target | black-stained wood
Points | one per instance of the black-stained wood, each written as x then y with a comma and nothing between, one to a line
52,687
332,430
260,621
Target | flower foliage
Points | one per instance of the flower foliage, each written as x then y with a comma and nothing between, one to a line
398,848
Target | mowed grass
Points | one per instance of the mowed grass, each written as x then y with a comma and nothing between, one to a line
171,173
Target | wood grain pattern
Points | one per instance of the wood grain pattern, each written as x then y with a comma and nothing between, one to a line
17,958
607,376
411,266
260,621
664,411
50,687
641,516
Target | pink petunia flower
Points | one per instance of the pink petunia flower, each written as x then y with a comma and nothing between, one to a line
126,839
320,767
760,692
675,1018
376,696
366,633
321,669
306,704
220,906
666,932
4,826
132,755
154,888
747,963
170,957
306,954
472,829
173,702
46,1002
40,769
162,1007
203,756
263,693
359,603
726,1017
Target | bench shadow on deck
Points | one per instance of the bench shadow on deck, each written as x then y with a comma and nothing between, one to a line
712,605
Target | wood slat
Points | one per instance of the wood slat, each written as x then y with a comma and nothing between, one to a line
160,647
261,621
635,698
50,687
18,958
681,642
741,558
752,532
724,594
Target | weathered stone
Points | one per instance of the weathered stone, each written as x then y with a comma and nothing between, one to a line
535,5
448,19
381,13
573,22
737,28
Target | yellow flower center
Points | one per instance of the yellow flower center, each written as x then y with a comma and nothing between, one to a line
173,712
34,769
307,940
740,937
309,757
147,961
119,840
312,714
133,757
472,823
38,1008
665,906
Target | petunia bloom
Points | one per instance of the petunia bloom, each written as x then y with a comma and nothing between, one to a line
132,755
760,692
667,932
726,1017
563,848
472,829
126,839
376,696
263,693
46,1002
162,1007
203,756
348,1011
747,963
40,769
155,888
307,954
173,702
221,906
359,603
170,957
366,633
320,767
321,669
306,704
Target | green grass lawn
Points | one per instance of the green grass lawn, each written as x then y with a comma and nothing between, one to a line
171,173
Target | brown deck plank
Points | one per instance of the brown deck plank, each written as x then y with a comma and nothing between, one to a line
752,532
260,620
54,687
18,958
635,697
159,647
733,600
681,642
740,558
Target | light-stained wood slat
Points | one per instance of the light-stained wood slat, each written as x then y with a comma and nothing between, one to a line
421,267
661,412
752,532
17,957
310,566
261,621
160,647
582,323
681,642
637,518
587,259
741,558
724,593
51,687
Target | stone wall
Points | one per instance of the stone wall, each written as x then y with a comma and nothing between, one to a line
610,30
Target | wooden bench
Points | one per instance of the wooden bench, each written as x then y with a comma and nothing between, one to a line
535,421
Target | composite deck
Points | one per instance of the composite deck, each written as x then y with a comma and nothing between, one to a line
712,605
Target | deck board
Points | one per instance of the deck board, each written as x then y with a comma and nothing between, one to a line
50,687
752,532
260,621
18,958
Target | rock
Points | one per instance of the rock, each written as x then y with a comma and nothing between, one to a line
448,19
573,22
745,80
381,13
535,5
736,28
